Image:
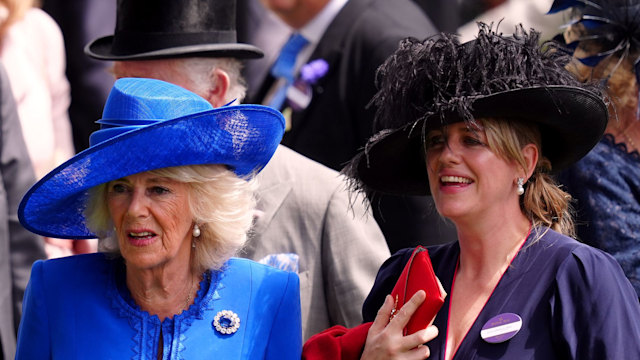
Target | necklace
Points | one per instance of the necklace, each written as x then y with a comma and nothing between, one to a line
188,301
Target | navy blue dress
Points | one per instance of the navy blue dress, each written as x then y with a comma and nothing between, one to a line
574,301
606,185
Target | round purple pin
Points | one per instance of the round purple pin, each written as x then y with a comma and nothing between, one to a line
501,328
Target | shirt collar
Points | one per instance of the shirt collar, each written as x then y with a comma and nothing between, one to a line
314,30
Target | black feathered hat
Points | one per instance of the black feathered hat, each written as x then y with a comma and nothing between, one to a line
438,81
153,29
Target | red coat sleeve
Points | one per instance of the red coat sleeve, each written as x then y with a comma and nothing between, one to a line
337,342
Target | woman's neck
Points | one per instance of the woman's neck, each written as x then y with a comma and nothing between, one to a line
487,248
164,292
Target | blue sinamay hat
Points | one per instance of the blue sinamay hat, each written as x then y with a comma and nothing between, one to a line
150,124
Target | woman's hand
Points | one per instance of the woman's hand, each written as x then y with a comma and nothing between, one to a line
385,339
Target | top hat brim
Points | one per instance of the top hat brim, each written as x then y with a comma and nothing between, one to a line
571,121
102,49
243,137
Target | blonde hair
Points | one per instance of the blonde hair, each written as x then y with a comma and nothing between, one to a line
221,203
544,202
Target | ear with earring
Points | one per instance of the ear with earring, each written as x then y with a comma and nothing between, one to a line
520,186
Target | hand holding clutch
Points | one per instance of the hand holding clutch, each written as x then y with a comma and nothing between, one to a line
417,275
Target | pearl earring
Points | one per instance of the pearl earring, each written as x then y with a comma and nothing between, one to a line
520,186
196,230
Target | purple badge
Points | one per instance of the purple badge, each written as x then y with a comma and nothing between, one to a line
299,95
501,328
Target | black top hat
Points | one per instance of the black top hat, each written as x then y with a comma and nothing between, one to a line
152,29
438,81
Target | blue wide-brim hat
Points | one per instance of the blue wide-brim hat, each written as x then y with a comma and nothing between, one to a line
150,124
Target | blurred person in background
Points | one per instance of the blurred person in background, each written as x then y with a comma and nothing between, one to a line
82,21
19,248
508,14
605,40
32,51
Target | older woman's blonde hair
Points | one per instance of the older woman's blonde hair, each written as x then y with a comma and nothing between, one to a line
544,202
221,203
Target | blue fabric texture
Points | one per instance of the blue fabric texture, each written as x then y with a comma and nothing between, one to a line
606,186
284,67
574,301
79,308
150,124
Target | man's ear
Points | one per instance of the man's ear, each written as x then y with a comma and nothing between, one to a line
531,154
217,95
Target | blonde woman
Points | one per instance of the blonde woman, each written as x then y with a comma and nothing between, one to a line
480,126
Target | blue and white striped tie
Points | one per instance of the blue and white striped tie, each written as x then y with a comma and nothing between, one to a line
284,67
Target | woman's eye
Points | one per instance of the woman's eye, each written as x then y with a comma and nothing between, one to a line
159,190
472,141
433,141
118,188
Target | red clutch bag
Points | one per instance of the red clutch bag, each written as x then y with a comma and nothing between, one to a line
417,275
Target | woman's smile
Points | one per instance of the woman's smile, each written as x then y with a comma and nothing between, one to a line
454,184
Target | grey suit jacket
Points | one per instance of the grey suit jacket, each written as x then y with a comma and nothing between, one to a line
304,210
18,247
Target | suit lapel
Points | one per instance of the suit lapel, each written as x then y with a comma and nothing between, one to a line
331,48
272,195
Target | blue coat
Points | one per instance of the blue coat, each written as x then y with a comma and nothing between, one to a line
79,308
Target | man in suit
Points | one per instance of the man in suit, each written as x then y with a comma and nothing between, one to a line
353,37
328,117
19,247
304,223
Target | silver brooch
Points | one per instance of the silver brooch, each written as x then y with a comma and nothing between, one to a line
226,322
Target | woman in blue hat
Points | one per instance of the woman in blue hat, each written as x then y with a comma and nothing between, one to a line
167,188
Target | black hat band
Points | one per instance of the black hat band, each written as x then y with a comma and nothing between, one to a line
125,43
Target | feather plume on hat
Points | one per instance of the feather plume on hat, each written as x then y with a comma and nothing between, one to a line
437,81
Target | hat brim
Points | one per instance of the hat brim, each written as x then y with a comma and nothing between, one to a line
571,121
102,49
54,206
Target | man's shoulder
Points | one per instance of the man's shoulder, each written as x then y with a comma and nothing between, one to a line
406,14
288,165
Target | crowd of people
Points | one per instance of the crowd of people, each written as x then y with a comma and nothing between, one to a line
259,177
